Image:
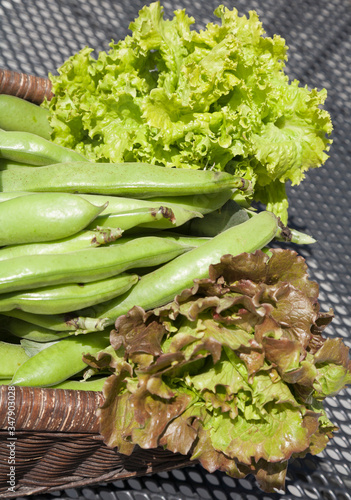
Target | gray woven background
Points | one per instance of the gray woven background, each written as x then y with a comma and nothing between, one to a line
36,36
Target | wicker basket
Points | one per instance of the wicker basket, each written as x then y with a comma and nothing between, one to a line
57,442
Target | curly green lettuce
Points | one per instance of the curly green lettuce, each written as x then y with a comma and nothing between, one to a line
215,98
232,373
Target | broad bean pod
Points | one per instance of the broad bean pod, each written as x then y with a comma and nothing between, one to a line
12,357
24,330
173,277
161,217
66,322
78,241
199,203
43,217
31,149
8,164
24,116
59,361
138,180
202,203
56,323
95,384
66,298
5,196
92,264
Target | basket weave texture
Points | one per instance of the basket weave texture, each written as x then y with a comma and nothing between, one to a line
58,444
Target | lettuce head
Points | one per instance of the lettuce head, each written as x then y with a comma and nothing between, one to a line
232,373
216,98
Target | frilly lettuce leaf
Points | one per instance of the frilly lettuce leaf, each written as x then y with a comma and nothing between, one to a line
233,372
215,98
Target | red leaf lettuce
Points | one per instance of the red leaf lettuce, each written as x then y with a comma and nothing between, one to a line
233,372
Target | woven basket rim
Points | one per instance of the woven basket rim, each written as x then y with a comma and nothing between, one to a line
62,425
51,410
29,87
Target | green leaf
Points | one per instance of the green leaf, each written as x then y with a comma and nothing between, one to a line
274,438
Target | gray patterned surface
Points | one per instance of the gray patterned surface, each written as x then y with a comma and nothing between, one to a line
36,36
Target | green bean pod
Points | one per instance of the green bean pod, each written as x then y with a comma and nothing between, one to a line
95,384
131,218
56,323
203,203
200,203
66,298
5,196
12,356
161,217
78,241
59,361
8,164
69,322
92,264
138,180
173,277
24,116
44,217
31,149
24,330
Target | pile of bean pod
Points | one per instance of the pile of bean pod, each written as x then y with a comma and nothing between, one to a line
82,243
